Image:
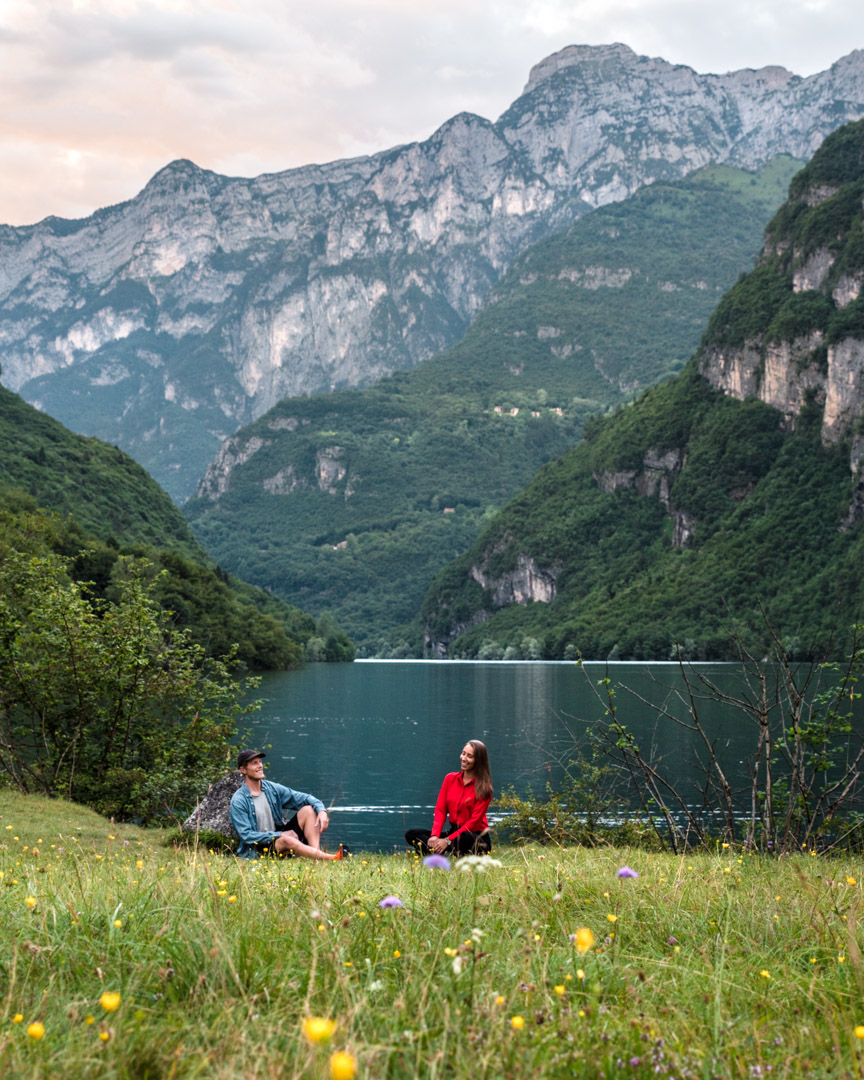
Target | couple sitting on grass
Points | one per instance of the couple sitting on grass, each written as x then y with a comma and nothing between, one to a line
259,809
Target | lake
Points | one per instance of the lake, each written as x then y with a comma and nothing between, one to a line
373,739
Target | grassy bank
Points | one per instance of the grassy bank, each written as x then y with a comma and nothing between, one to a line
721,965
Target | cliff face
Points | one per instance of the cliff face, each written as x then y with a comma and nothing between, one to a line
166,322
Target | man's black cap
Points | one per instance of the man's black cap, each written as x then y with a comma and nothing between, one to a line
245,756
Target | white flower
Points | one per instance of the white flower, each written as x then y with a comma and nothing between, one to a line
377,985
477,863
477,934
458,964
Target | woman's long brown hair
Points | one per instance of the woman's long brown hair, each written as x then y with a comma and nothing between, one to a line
482,776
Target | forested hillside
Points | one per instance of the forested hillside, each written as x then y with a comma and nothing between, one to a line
728,495
353,501
90,502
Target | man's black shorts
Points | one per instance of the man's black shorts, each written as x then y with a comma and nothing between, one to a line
268,847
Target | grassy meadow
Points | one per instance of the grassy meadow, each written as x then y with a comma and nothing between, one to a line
122,957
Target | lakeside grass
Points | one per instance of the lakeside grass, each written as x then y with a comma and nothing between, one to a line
722,965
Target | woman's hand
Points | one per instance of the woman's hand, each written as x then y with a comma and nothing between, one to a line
438,844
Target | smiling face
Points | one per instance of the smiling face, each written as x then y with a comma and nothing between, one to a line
254,769
466,758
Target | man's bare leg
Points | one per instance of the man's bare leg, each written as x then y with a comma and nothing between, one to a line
290,841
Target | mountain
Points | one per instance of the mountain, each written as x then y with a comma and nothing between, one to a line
351,502
731,493
102,505
165,323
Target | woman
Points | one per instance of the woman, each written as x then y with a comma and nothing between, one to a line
464,799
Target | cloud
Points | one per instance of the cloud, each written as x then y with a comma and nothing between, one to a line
97,95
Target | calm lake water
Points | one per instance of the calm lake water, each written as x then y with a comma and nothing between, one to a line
373,739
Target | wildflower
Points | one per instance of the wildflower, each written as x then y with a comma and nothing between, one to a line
88,1019
31,902
517,1022
104,1036
477,935
390,901
342,1066
612,918
583,939
850,880
437,862
499,1000
841,959
627,872
118,923
559,989
232,899
109,1000
580,974
859,1031
448,951
36,1031
458,964
18,1017
318,1029
765,974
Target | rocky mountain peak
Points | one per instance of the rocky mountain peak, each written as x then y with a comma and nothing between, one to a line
165,323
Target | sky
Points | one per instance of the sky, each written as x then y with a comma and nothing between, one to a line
98,95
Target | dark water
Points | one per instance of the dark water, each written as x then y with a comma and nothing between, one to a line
374,739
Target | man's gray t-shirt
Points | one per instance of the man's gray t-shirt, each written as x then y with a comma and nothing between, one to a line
263,813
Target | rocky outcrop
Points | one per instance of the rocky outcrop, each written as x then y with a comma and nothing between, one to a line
526,583
167,322
212,813
654,480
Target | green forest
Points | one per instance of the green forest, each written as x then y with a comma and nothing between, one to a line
766,507
91,505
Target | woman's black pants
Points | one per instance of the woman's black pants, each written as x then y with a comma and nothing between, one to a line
466,843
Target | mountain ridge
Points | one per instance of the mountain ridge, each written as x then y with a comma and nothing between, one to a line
166,322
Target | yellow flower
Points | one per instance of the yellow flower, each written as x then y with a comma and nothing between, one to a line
841,959
342,1066
859,1031
110,1000
36,1030
612,918
580,974
232,899
517,1022
396,953
118,923
318,1029
559,989
31,901
850,880
499,1000
139,863
18,1017
581,1012
104,1036
765,974
583,939
89,1019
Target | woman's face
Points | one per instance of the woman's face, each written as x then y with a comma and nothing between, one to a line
467,757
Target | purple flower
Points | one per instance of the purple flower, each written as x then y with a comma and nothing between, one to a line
390,901
437,862
625,871
672,940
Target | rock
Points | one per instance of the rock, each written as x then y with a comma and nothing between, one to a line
211,814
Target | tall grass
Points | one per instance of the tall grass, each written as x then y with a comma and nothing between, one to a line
713,965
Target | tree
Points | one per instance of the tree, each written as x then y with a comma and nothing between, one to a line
103,701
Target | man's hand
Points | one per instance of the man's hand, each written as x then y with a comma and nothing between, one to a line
438,844
323,821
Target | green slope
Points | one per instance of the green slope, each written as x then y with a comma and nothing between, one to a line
759,509
416,464
92,502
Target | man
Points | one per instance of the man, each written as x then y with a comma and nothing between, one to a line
258,811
